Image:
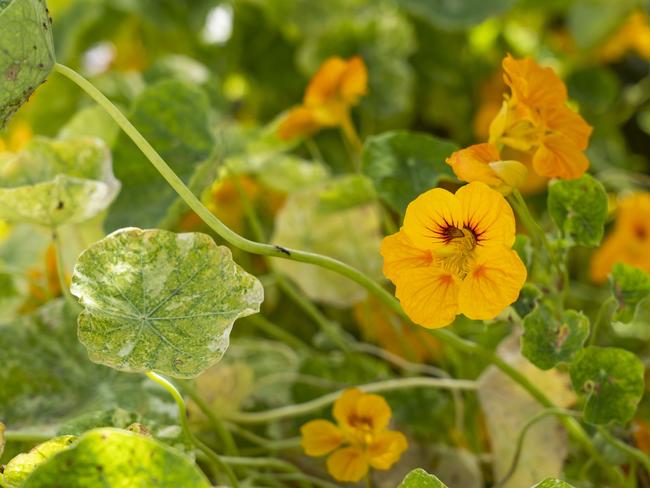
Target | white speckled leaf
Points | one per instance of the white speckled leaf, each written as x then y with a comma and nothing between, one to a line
159,301
55,182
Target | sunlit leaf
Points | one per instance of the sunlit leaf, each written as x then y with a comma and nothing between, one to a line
26,52
159,301
404,164
579,209
19,468
419,478
552,483
611,381
550,338
113,457
55,182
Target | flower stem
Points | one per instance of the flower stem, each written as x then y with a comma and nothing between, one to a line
60,268
636,454
217,463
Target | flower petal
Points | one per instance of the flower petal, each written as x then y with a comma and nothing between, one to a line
493,283
429,296
559,157
387,449
568,123
375,409
487,213
471,163
533,85
346,406
325,84
320,437
355,80
428,216
401,255
348,464
298,122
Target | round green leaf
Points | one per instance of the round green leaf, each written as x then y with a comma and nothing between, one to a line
159,301
419,478
549,340
26,52
404,164
630,286
579,209
612,381
117,458
55,182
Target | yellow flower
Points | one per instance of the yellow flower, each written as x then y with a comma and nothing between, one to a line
482,162
453,255
629,242
359,440
20,133
535,119
633,35
333,90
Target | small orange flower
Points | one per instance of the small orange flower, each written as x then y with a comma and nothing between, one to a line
482,162
359,440
633,35
333,90
536,119
629,242
453,255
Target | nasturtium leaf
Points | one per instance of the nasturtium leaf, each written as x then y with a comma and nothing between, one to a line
457,14
419,478
552,483
26,52
579,209
2,438
174,117
55,182
113,457
92,121
352,234
404,164
159,301
19,468
611,380
630,286
550,338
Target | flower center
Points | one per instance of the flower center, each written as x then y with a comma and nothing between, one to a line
363,427
457,255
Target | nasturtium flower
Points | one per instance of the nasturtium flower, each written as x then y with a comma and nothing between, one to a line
453,255
359,440
482,162
632,36
629,241
536,119
333,90
18,136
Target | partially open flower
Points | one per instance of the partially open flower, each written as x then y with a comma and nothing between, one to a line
359,440
333,90
633,35
482,162
453,255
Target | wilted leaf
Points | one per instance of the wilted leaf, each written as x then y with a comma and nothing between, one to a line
457,14
351,234
112,457
611,380
19,468
579,209
174,117
550,339
159,301
54,182
419,478
404,164
552,483
27,53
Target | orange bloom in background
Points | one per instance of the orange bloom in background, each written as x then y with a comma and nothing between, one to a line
360,439
632,36
332,91
482,162
453,255
629,242
536,119
19,135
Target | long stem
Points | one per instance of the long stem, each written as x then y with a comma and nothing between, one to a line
277,332
635,454
220,466
605,312
325,400
60,268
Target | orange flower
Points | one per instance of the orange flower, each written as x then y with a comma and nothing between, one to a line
629,242
633,35
453,255
359,440
333,90
535,119
482,162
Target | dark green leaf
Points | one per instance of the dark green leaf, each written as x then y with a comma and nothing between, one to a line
630,286
26,52
549,339
611,380
579,209
403,165
456,14
419,478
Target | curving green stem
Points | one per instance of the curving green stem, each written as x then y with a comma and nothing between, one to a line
335,265
214,459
